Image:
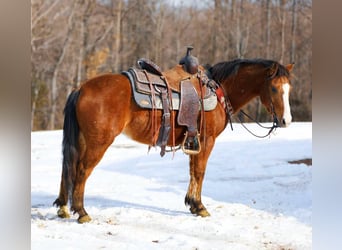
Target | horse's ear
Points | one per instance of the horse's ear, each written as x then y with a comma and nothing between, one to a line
273,70
289,67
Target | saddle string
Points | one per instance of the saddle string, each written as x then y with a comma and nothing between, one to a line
202,126
153,113
172,116
228,107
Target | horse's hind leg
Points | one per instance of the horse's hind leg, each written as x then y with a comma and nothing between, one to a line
62,200
89,158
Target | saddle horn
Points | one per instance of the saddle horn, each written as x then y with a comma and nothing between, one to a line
189,62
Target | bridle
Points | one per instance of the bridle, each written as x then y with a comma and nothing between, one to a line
229,114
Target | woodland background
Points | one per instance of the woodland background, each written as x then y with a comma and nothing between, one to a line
75,40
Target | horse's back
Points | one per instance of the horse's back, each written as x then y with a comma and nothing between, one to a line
106,83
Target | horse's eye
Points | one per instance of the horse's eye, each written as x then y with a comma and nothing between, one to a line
274,89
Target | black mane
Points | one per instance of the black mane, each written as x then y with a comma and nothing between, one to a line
222,70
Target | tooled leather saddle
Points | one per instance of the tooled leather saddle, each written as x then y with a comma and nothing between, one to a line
173,90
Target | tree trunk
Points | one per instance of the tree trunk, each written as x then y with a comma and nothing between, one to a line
33,107
268,29
268,50
293,32
159,24
238,36
118,37
232,23
282,36
54,89
80,55
215,31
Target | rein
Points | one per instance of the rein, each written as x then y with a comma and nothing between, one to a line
273,127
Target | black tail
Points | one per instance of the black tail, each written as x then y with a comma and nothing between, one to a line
70,142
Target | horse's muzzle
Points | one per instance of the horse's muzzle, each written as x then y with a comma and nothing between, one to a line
285,123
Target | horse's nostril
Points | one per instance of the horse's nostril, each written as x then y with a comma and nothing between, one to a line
283,121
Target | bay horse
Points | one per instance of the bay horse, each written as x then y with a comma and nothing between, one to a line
103,107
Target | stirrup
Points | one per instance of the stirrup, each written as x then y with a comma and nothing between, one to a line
191,144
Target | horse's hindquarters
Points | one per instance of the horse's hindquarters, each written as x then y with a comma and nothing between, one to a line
103,107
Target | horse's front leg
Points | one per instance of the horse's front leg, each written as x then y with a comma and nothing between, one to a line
198,165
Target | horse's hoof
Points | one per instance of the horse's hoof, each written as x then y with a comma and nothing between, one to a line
203,213
84,219
193,210
63,212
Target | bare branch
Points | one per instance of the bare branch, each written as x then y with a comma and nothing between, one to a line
38,17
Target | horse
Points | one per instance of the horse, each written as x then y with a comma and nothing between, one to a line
103,107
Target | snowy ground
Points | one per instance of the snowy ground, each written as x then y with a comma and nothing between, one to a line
257,200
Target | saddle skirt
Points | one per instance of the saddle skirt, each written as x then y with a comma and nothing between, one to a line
142,82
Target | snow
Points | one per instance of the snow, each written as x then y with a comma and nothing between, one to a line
257,199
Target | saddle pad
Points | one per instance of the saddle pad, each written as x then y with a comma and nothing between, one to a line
142,95
144,80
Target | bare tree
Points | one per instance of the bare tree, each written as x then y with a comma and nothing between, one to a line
57,66
268,28
293,31
282,33
117,36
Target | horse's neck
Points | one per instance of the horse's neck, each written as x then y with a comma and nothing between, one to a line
240,92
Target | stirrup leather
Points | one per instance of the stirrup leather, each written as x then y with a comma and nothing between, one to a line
191,144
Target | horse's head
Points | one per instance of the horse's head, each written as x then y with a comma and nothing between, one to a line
276,94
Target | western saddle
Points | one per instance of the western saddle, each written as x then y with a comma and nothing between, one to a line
175,89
